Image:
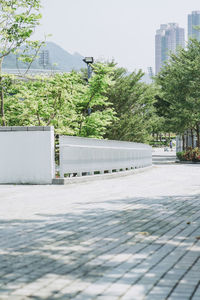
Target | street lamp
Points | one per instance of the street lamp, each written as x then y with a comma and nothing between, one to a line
89,60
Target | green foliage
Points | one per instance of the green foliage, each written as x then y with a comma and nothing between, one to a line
180,155
133,103
179,102
95,99
62,101
189,155
18,18
163,122
159,143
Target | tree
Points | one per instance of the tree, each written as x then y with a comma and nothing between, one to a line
18,19
61,100
179,82
95,100
133,103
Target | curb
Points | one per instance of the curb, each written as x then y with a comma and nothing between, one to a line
187,162
65,181
156,163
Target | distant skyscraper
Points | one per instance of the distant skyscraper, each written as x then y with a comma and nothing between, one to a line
168,38
150,72
194,20
44,58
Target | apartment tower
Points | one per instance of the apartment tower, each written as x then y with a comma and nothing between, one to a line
194,20
168,38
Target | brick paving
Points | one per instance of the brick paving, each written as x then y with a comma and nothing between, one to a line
130,238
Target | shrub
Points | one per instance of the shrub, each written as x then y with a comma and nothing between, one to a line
180,155
191,154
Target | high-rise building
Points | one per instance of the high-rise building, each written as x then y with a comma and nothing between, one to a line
150,72
194,20
168,38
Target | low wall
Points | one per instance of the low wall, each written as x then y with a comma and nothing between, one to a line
188,141
80,155
27,155
179,144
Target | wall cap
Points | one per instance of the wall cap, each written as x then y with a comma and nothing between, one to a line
26,128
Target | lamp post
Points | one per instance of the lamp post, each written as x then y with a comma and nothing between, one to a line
89,61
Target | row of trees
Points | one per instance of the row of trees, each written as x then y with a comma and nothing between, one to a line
61,100
114,104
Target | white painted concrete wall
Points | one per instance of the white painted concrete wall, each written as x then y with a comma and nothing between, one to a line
79,155
27,155
179,144
179,141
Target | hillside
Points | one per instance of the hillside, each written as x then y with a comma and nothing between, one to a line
64,60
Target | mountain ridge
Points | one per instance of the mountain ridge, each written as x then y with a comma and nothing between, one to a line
59,59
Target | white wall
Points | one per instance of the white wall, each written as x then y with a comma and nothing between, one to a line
179,144
79,155
27,155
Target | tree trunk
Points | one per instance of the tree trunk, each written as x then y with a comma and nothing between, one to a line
80,127
2,96
192,137
187,138
197,132
183,140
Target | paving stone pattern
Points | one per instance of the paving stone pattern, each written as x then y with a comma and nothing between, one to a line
126,238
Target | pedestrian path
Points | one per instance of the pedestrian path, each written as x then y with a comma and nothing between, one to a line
129,238
160,156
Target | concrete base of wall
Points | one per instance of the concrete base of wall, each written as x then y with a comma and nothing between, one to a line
64,181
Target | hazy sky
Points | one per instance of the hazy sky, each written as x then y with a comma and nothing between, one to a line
119,29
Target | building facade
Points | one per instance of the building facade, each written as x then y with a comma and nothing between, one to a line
168,38
194,20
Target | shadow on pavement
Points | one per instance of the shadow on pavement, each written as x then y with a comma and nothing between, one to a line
64,253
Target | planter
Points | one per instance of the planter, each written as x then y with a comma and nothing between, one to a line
187,162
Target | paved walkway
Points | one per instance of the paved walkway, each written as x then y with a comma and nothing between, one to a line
130,238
